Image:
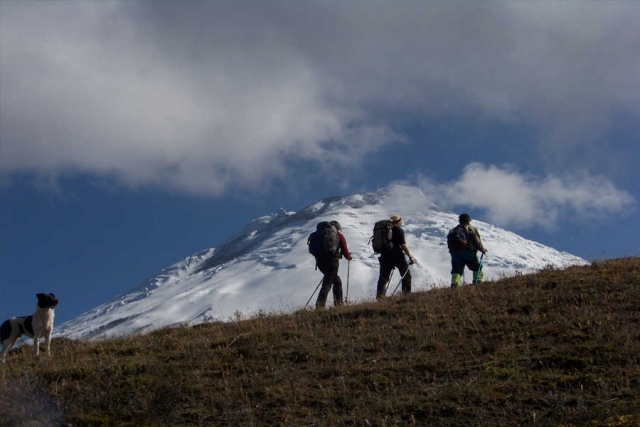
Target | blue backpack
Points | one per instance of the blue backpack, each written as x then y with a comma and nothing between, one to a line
457,238
324,241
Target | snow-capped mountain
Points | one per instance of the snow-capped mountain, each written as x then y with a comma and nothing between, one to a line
266,267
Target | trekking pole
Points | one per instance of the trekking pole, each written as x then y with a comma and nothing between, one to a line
346,300
314,292
475,280
398,285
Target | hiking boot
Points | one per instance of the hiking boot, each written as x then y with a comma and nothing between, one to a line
455,280
477,277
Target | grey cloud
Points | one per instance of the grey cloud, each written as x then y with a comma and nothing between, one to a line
196,95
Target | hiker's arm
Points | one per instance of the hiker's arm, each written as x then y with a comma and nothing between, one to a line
343,246
476,241
481,247
406,251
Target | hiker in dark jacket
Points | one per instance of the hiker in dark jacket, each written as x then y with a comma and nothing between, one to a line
466,254
328,265
395,257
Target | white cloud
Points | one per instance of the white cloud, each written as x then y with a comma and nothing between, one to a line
202,96
511,198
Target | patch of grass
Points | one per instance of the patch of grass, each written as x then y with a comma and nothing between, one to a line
560,347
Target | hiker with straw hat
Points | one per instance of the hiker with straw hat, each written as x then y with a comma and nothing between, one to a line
394,257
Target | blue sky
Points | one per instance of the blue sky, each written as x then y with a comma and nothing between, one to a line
134,134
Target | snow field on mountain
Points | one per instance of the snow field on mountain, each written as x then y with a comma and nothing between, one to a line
267,268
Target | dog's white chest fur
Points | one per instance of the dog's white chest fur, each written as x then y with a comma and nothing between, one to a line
42,322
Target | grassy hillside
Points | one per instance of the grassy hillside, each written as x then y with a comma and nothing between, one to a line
561,347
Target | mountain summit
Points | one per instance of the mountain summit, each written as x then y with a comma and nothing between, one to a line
266,267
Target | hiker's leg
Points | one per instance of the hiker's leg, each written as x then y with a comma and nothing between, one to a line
385,271
477,276
471,259
324,291
337,291
326,266
457,268
403,269
472,262
322,296
455,280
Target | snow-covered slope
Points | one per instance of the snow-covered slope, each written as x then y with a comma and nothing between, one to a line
266,267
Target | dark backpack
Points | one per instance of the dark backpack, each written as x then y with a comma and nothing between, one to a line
324,241
382,234
457,238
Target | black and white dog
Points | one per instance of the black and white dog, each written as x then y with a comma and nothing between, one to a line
39,325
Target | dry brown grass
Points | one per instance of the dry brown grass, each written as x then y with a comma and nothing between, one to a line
560,347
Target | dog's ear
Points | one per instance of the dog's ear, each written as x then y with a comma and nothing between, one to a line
53,296
40,295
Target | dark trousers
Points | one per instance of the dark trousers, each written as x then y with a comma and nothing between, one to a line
329,268
462,258
387,264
